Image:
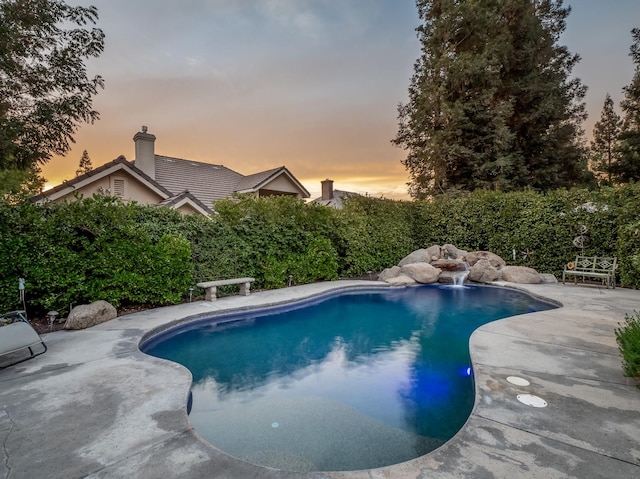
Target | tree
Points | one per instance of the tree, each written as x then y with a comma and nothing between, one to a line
627,168
45,93
491,104
20,185
85,165
605,139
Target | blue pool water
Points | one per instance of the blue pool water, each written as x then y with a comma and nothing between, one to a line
353,381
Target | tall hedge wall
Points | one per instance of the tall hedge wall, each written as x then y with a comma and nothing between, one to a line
98,248
88,250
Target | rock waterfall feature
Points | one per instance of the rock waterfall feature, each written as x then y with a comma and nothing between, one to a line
448,264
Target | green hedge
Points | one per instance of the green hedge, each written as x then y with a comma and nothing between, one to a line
92,249
98,248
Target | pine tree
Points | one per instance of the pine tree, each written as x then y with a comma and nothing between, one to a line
85,165
627,168
605,140
490,103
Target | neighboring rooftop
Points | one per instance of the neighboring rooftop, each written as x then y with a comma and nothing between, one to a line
332,198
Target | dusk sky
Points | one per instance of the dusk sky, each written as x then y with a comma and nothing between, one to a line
309,84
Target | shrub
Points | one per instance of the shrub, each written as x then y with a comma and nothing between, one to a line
628,339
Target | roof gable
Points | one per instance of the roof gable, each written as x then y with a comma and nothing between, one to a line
258,181
253,182
186,198
120,164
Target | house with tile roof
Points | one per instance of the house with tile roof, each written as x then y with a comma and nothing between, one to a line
188,186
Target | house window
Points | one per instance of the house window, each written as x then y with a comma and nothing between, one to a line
118,187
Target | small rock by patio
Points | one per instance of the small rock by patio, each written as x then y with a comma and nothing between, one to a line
87,315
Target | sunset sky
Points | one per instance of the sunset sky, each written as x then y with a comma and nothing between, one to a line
310,84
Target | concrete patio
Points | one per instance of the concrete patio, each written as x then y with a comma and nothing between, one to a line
94,406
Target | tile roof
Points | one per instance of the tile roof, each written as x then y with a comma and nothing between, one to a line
205,181
208,182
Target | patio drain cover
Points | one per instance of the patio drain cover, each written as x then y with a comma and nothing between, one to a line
518,381
531,400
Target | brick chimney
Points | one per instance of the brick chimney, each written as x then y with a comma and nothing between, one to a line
145,159
327,190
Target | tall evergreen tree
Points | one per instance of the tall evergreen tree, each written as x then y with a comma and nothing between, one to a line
491,104
605,140
627,168
85,165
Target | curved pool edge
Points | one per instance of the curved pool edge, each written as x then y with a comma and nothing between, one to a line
113,411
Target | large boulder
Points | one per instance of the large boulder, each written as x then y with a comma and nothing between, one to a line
87,315
450,264
484,272
401,280
521,275
451,252
389,273
418,256
434,252
422,273
452,277
475,256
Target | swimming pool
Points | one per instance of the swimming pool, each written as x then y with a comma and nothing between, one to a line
349,381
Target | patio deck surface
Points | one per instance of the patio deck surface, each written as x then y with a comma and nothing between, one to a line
94,406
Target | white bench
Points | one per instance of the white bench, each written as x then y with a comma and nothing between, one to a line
599,267
211,287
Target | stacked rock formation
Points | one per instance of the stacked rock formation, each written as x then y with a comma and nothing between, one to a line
444,263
